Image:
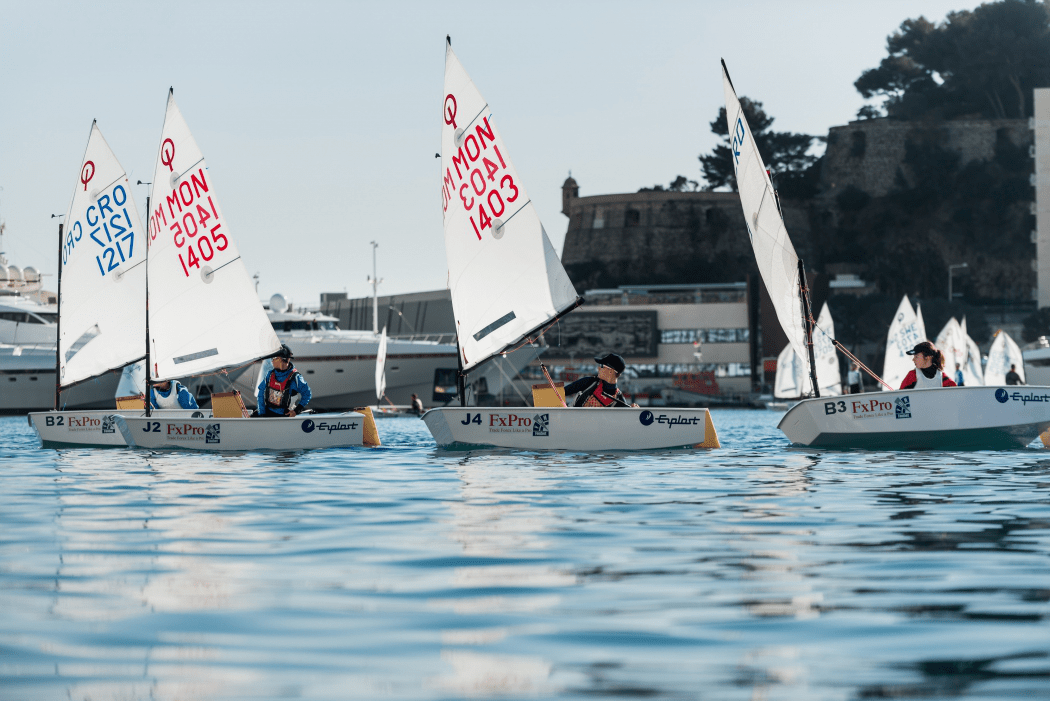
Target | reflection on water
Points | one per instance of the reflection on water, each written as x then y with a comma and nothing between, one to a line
754,572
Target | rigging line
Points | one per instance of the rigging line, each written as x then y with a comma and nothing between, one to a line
224,265
852,357
467,128
553,386
122,175
179,176
514,215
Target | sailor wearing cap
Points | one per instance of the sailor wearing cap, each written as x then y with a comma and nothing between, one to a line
276,391
929,368
600,391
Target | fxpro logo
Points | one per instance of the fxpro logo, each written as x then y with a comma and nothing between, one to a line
1002,396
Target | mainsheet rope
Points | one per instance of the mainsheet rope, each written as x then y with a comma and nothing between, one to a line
849,355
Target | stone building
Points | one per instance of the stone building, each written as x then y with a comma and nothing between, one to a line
868,154
662,237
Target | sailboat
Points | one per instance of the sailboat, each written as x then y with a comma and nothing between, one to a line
960,349
1003,355
790,382
507,286
906,331
101,297
204,315
951,418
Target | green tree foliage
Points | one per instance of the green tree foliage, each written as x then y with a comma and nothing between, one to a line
786,154
940,213
982,63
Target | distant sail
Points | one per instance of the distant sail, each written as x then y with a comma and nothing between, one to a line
204,313
1003,353
906,332
381,366
959,348
829,374
777,262
919,322
505,278
103,302
791,375
792,378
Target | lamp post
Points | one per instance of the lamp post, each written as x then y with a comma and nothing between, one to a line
951,271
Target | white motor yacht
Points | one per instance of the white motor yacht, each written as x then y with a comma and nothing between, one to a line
28,331
1037,362
340,365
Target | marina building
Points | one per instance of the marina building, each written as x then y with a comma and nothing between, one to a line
686,344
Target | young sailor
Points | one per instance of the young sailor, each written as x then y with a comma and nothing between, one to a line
171,395
600,391
277,389
929,368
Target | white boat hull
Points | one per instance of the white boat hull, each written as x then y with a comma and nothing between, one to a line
304,432
96,428
948,418
583,429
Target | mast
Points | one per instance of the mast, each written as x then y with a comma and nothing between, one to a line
461,377
375,291
149,384
58,326
807,314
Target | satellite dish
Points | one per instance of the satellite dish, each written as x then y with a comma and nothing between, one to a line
3,273
14,273
31,274
278,303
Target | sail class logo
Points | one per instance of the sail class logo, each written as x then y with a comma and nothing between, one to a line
211,433
646,417
903,408
1002,396
308,426
541,425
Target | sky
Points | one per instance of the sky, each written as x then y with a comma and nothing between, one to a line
320,120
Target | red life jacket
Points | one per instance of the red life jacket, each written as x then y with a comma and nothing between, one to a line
277,394
598,395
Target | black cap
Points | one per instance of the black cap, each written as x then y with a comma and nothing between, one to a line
285,352
613,361
926,348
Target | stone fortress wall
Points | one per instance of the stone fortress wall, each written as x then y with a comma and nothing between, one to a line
867,153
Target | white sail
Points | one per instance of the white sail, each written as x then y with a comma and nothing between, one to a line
103,298
791,375
792,378
777,262
1003,353
203,310
825,357
381,366
505,277
920,324
906,331
132,381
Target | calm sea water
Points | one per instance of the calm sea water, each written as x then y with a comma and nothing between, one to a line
757,571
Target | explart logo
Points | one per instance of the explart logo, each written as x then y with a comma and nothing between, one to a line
1002,396
646,417
308,426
